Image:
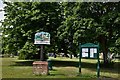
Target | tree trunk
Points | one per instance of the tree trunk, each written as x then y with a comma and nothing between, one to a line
103,42
105,52
54,53
71,56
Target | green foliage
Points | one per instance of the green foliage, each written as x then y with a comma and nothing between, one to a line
118,45
23,20
68,23
91,22
28,51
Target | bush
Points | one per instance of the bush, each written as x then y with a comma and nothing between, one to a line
28,51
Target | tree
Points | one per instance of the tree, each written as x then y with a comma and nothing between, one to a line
66,30
92,22
23,20
68,23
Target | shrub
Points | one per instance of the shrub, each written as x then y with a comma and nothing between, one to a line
28,51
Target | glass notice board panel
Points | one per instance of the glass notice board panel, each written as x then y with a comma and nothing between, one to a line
93,51
84,52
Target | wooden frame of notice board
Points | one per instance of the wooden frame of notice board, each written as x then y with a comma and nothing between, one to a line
89,50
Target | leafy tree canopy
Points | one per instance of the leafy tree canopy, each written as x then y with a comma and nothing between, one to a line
68,23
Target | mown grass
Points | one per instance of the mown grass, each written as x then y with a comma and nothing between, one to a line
63,69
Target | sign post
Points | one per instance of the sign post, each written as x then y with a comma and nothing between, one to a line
41,53
89,50
98,64
80,59
42,38
41,67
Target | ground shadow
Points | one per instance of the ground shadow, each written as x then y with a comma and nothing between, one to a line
114,68
92,66
56,74
58,63
22,63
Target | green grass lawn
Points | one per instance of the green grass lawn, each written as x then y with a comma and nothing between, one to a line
63,68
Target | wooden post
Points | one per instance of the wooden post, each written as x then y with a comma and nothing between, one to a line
80,54
41,53
98,64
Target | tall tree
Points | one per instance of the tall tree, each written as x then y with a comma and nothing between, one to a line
23,20
92,22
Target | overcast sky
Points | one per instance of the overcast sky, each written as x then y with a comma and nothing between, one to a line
1,12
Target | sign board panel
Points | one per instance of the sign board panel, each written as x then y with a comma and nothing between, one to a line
89,50
93,51
84,52
42,38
